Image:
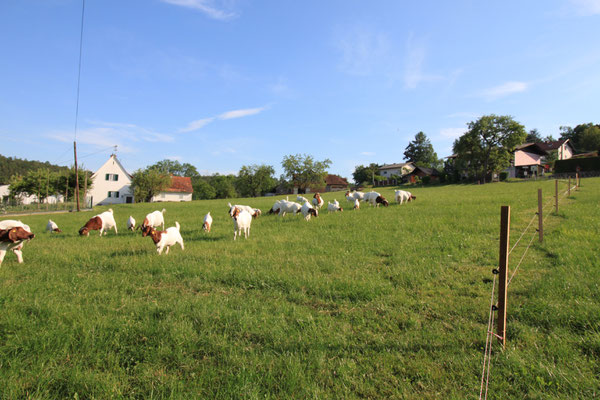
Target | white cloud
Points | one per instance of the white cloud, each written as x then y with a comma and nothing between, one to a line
205,6
452,133
241,113
195,125
101,134
587,7
504,90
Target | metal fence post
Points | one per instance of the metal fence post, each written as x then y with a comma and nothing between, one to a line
503,270
540,216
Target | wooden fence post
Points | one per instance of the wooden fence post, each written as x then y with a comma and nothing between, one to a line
569,189
556,196
503,270
540,216
577,181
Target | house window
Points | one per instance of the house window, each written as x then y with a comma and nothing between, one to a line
112,177
113,194
385,172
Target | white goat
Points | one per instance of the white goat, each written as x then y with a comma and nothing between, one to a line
242,220
166,238
402,196
333,207
52,227
317,201
207,222
301,199
288,207
13,235
154,219
356,204
131,223
308,210
354,195
371,198
103,222
255,212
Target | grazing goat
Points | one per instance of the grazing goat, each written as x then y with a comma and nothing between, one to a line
351,196
381,200
164,239
52,227
241,222
131,223
154,219
308,210
102,222
371,198
288,207
13,235
255,212
207,222
335,206
301,199
356,204
402,196
317,201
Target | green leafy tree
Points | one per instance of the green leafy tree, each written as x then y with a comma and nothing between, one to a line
174,167
302,171
488,144
149,182
255,180
203,190
224,186
590,138
420,152
534,136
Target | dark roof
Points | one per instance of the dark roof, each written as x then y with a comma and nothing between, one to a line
180,184
533,148
426,171
335,180
554,145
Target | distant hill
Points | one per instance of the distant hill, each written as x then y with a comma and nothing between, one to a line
12,165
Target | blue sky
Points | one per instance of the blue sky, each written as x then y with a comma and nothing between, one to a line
225,83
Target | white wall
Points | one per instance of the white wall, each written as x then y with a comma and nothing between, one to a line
101,186
172,196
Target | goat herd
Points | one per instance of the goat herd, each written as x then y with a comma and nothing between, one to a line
14,234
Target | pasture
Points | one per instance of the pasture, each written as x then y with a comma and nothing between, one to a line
376,303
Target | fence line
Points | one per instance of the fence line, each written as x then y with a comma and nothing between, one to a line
490,334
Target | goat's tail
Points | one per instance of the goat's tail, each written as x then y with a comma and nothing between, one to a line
177,225
163,211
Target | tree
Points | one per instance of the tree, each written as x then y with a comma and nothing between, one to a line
174,167
576,136
148,182
224,186
203,190
255,180
302,171
590,138
420,152
534,136
488,144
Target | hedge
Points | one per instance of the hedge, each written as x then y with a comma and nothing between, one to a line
570,165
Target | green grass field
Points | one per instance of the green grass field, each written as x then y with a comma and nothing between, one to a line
376,303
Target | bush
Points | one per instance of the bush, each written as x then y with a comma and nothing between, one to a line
426,180
570,165
503,175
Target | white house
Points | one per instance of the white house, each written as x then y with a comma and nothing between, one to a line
111,184
563,148
389,170
180,190
4,192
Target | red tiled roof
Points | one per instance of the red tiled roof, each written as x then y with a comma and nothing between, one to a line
335,180
180,184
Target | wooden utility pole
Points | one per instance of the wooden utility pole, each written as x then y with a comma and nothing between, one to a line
503,270
540,216
76,176
556,196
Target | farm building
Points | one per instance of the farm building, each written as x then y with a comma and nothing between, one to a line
528,160
335,183
563,148
111,184
422,172
401,169
180,190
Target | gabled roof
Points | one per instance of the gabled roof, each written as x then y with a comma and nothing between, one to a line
395,166
114,158
426,171
548,146
180,184
533,148
335,180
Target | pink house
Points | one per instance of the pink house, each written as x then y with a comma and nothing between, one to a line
528,160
